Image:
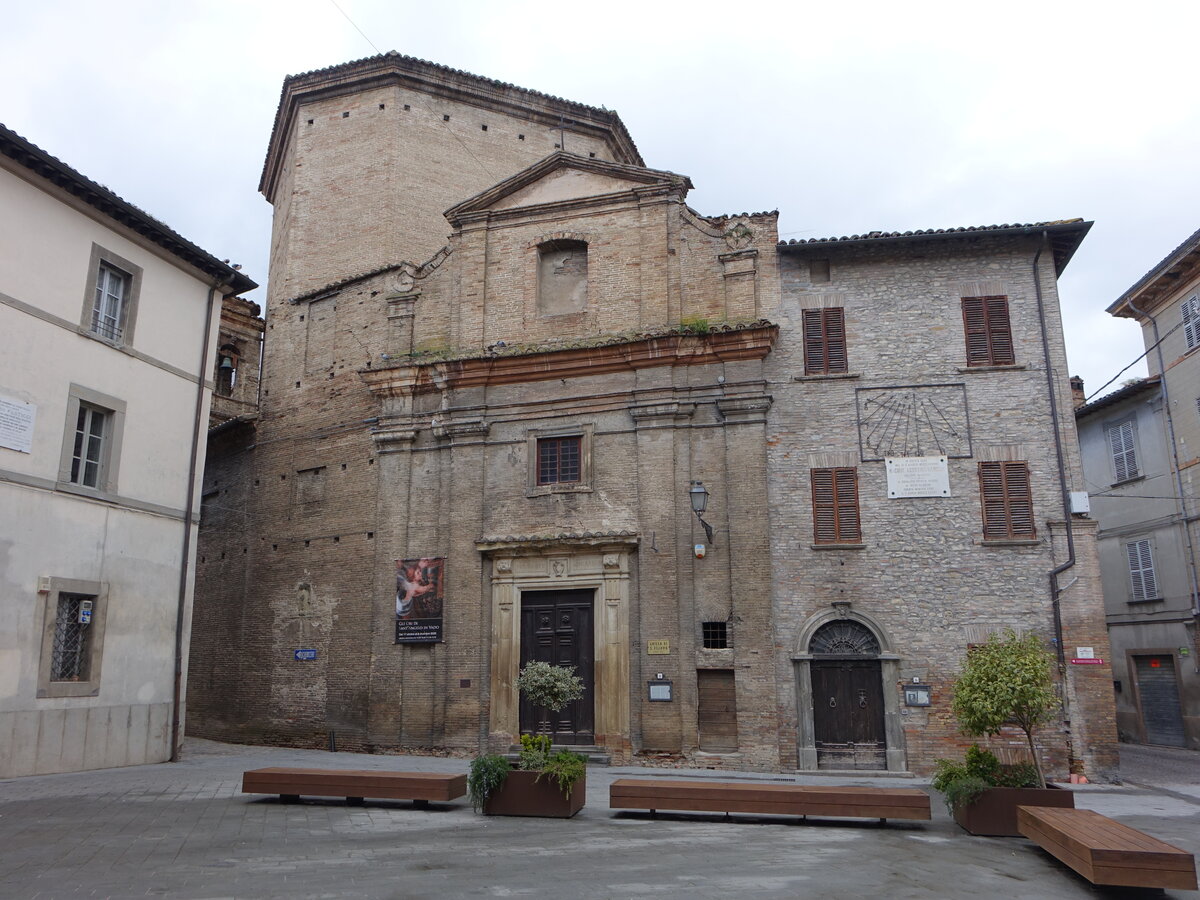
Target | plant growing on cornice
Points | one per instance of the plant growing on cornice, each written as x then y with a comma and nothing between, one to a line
696,325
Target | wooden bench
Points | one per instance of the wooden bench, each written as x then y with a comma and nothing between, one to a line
1106,852
354,784
769,799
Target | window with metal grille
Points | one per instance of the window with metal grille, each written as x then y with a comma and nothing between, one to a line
559,460
70,655
835,506
108,311
87,455
988,330
1141,570
1190,311
1120,444
824,341
1007,500
714,635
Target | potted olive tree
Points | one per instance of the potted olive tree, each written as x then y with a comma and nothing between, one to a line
547,782
1006,681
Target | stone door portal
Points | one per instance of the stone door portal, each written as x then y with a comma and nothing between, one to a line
557,627
847,698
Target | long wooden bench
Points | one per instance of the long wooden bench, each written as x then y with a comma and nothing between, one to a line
354,784
769,799
1106,852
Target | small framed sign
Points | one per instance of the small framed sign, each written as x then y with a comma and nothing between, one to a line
659,691
658,648
916,695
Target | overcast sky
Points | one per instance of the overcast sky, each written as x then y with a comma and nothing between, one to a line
846,118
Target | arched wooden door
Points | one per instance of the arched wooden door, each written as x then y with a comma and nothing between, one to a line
847,697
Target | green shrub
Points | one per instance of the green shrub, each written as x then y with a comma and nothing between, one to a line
535,752
487,773
962,783
564,768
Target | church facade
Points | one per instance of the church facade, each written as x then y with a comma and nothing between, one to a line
761,495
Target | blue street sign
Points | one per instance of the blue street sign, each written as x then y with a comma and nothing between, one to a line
305,655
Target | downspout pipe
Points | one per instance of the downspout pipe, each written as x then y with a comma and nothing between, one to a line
1055,589
189,510
1180,495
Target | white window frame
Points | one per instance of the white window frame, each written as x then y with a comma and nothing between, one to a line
1122,450
1143,582
92,403
1189,311
110,302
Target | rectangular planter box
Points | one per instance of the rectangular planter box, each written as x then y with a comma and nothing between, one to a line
523,795
994,814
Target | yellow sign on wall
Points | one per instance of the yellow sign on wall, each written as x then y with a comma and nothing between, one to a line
658,648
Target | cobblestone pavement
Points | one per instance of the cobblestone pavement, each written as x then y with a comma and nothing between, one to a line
184,830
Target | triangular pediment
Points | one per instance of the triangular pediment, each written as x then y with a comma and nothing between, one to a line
565,178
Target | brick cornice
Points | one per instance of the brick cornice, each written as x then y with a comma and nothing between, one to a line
753,342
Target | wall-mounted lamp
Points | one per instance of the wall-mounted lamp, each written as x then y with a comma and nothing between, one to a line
699,497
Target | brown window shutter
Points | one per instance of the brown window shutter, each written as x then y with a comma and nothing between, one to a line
835,506
824,341
988,330
1007,500
846,486
999,331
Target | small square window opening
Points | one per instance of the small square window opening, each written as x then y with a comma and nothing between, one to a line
714,635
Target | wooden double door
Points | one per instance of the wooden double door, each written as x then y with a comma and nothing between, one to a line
557,628
848,721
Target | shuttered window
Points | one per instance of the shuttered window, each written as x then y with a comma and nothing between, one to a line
835,506
1191,321
1141,570
1007,500
824,341
989,332
1120,443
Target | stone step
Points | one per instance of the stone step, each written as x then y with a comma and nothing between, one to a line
596,756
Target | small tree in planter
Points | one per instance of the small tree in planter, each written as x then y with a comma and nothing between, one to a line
489,783
1007,680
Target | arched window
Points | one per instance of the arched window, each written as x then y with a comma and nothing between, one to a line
227,365
562,277
844,637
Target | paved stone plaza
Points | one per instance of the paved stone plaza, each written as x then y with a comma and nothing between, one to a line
184,830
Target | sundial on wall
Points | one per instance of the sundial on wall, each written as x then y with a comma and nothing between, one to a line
913,420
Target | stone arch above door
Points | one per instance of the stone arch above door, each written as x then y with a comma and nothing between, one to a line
863,628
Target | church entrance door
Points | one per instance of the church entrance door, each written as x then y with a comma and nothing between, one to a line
557,628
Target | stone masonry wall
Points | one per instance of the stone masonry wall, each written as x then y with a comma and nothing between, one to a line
924,573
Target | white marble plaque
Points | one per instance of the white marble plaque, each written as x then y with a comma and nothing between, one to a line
917,476
16,424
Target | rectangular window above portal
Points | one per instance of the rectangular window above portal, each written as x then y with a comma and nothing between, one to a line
560,460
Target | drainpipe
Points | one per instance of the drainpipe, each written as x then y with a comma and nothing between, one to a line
188,510
1183,511
1055,589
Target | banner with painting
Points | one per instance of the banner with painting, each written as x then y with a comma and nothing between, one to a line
419,600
